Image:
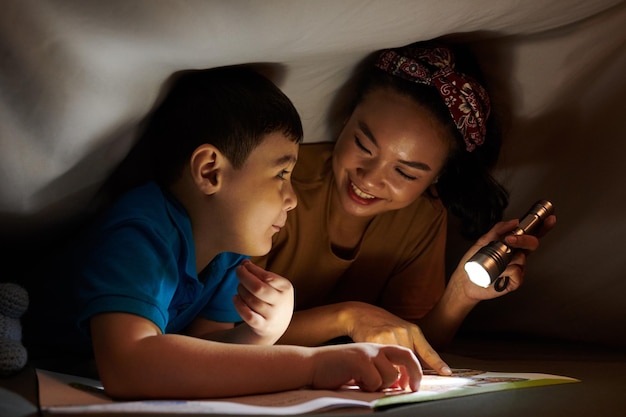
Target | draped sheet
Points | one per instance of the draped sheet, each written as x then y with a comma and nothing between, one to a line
77,77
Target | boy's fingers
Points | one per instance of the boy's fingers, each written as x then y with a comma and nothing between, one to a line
247,314
407,364
403,379
389,375
256,270
245,295
252,282
254,302
275,281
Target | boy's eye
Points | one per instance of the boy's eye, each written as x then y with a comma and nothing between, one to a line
360,145
283,174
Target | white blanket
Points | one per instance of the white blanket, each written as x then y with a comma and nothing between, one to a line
76,77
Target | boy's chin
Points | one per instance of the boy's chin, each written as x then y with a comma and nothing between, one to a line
259,250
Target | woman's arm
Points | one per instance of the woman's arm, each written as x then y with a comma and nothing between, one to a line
361,322
461,295
318,325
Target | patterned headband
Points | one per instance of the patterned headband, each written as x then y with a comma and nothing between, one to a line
466,99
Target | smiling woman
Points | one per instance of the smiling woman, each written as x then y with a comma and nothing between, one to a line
365,249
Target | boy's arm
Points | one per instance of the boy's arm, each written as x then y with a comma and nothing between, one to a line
222,332
136,361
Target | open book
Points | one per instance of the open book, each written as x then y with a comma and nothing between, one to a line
67,394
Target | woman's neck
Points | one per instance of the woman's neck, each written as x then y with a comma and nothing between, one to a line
344,230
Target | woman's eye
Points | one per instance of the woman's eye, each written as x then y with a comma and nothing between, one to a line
360,145
406,176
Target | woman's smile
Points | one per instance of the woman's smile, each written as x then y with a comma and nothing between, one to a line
359,195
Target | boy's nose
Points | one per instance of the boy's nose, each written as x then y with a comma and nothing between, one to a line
291,201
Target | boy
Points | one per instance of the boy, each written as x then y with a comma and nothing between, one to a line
162,283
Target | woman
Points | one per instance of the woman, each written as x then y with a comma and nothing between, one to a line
365,247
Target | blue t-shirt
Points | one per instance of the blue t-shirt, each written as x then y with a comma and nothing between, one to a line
139,259
142,261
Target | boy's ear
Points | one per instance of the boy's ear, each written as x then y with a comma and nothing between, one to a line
207,164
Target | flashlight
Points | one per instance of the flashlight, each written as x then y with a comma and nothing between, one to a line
486,265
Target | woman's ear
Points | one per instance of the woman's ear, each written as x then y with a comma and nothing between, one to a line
206,165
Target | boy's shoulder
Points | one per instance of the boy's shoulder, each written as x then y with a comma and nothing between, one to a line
145,203
141,199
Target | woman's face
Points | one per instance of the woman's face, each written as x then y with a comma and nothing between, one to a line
388,153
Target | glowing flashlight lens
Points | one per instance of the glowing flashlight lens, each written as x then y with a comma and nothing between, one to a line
477,274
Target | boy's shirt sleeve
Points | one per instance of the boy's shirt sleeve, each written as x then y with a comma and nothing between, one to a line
141,260
130,269
135,270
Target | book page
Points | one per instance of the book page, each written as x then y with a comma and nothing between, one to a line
62,393
465,382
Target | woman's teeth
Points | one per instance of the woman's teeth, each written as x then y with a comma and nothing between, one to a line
360,193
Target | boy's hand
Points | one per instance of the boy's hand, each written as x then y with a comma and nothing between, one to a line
370,366
264,301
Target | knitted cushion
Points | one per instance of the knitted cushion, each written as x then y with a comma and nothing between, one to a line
13,356
13,304
10,328
13,300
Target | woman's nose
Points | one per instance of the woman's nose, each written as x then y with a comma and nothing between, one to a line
371,175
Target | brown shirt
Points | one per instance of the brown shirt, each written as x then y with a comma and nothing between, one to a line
398,265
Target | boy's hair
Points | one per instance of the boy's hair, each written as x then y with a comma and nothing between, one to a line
232,108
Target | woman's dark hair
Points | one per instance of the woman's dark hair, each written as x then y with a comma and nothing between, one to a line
232,108
465,185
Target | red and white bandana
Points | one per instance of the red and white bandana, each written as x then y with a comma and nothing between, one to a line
466,99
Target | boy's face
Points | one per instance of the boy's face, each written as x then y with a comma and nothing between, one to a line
257,197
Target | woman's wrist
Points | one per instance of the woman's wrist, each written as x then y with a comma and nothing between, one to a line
348,314
455,294
318,325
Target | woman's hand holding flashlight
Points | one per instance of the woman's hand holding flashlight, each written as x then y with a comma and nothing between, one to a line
514,270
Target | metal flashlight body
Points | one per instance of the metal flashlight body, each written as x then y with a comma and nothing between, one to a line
486,265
